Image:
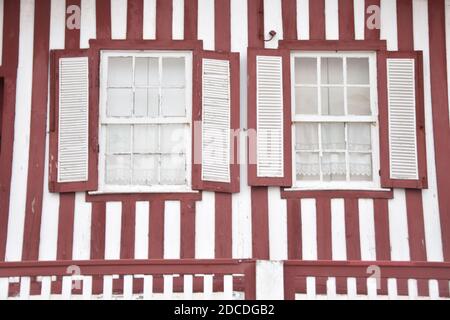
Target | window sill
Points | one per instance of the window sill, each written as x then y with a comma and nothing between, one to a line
144,194
348,193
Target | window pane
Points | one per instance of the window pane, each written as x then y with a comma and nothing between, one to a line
119,102
146,139
307,165
145,169
306,71
118,169
173,169
358,71
146,72
332,71
173,72
333,101
360,166
118,139
334,166
306,136
146,103
358,101
173,103
333,136
306,100
359,137
120,71
173,138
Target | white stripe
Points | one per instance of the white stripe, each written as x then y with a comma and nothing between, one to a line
309,229
277,225
429,196
172,230
412,289
66,291
149,19
360,14
25,286
178,20
339,244
205,226
206,23
119,19
331,19
82,228
107,287
331,288
311,288
4,288
2,21
87,288
241,205
21,133
303,19
46,288
367,230
388,22
392,289
273,21
398,226
142,226
269,277
128,287
112,230
88,24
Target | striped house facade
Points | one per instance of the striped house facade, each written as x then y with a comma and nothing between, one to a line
403,227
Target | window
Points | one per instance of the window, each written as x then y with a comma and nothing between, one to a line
335,120
145,121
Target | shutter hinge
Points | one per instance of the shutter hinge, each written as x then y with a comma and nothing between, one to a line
379,173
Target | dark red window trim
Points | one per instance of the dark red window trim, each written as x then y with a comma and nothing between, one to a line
121,197
333,45
346,194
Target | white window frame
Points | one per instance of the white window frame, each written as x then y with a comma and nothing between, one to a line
104,57
339,185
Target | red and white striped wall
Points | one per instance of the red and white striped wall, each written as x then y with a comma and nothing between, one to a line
258,222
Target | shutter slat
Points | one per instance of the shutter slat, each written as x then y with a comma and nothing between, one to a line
73,119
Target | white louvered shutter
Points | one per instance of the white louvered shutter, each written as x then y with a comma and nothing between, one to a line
73,119
402,119
216,118
269,116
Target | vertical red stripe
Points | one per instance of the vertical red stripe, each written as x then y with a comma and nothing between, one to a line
135,19
163,20
255,23
103,19
381,221
9,64
190,19
416,226
352,229
36,161
441,129
127,237
98,224
405,25
346,20
222,26
65,226
374,32
260,222
323,213
187,232
156,230
72,38
317,20
289,13
294,229
223,226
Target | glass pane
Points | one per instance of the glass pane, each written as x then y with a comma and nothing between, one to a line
306,101
333,101
358,71
145,169
358,101
332,71
305,70
173,138
173,169
360,166
307,165
334,166
146,72
359,137
173,103
333,136
306,136
120,71
146,103
119,103
118,138
146,139
173,72
118,169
